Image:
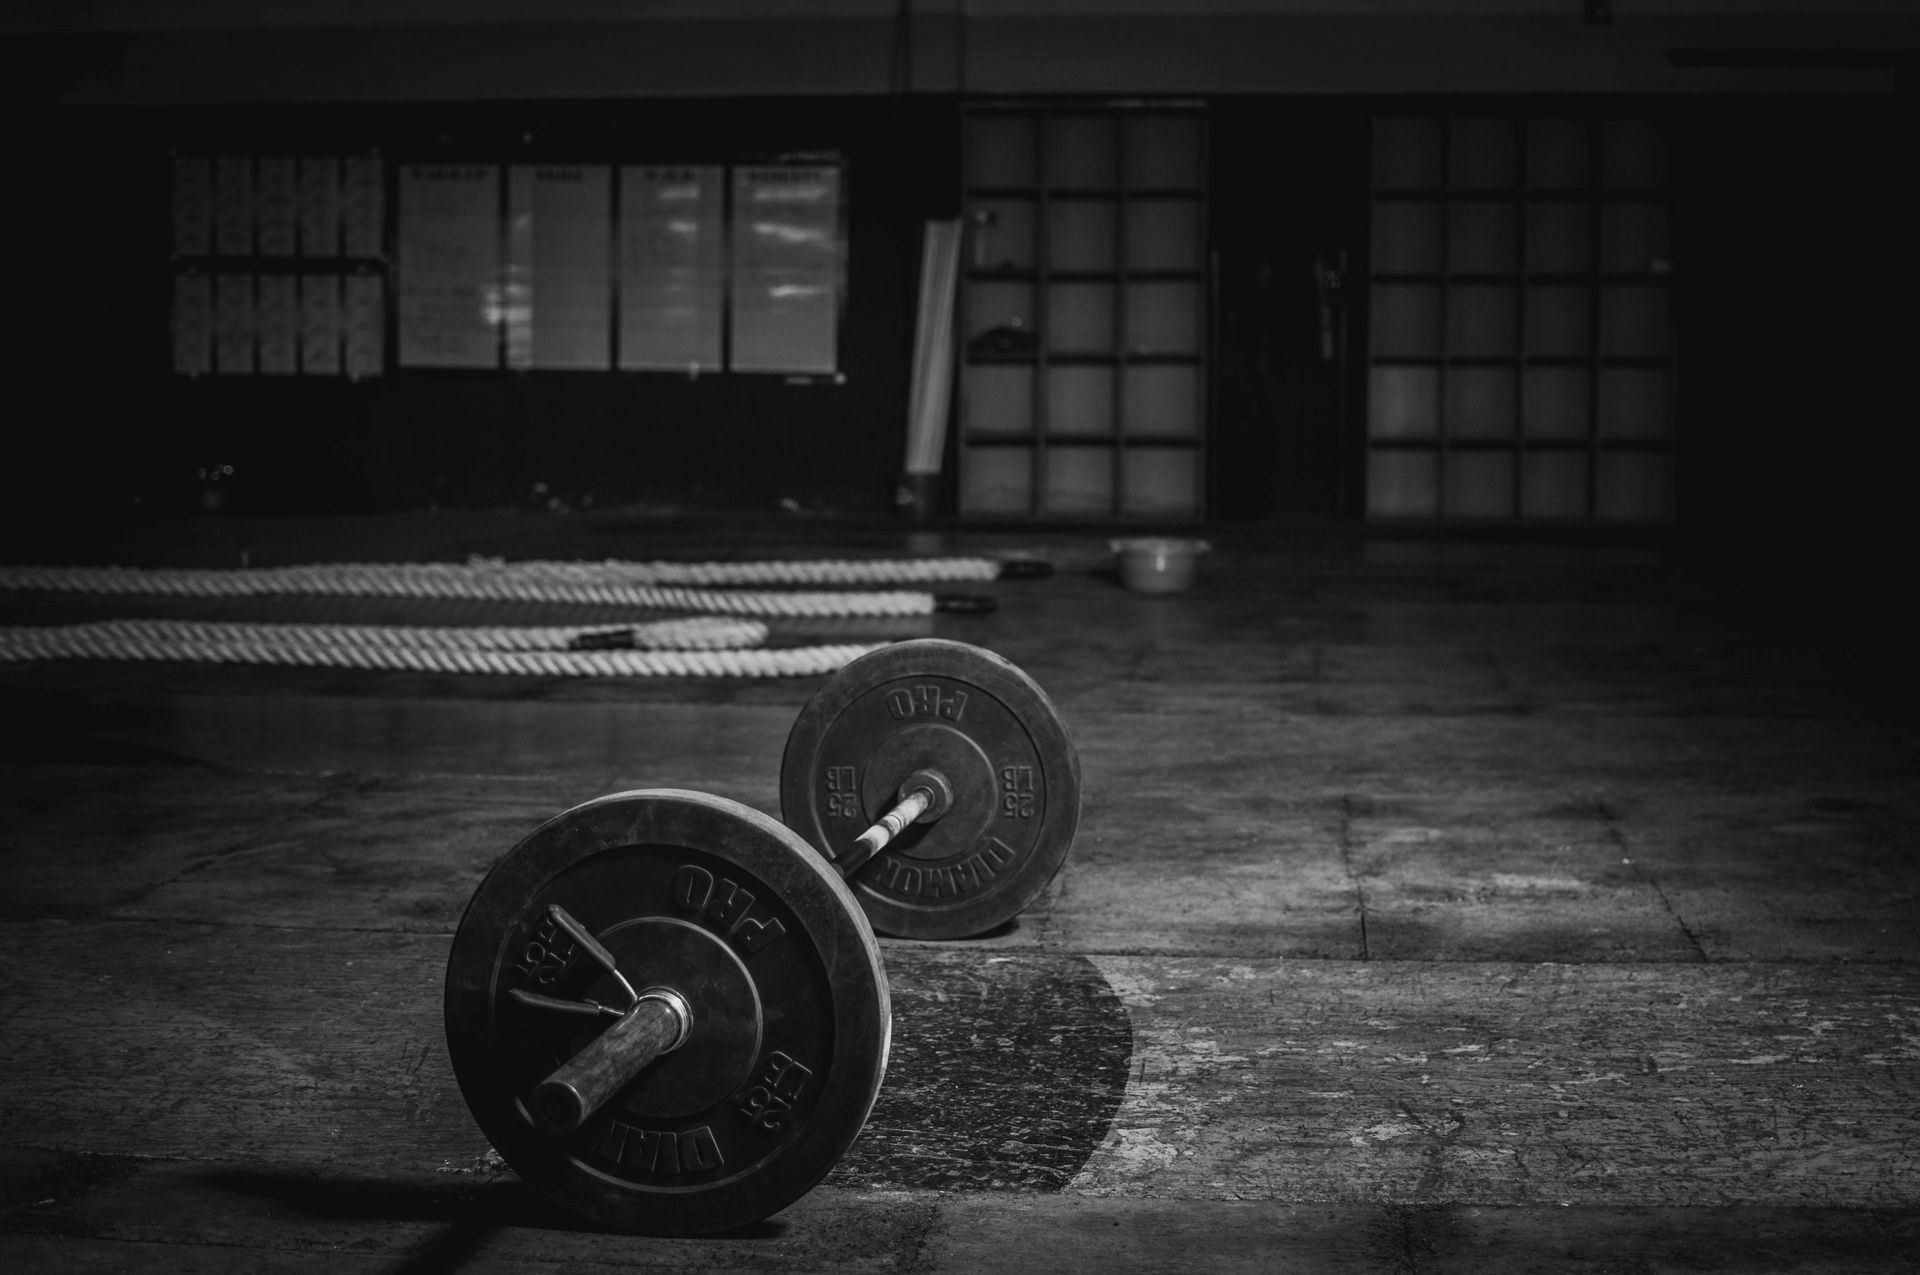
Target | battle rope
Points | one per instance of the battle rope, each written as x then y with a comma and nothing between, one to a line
418,650
697,633
655,584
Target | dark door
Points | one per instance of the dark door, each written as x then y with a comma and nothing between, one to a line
1289,178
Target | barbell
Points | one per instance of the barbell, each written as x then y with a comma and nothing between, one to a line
667,1010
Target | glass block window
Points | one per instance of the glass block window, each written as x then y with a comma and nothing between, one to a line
1084,305
1520,337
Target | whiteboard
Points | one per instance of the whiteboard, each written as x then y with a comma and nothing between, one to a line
559,288
672,267
787,268
448,270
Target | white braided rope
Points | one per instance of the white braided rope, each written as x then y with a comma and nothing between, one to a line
170,640
696,633
653,585
824,572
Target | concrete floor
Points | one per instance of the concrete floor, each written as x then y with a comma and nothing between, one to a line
1436,907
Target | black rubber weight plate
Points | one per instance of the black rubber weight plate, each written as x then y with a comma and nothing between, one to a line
999,740
791,1018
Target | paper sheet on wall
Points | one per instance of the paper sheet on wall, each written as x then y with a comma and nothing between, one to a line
277,320
276,205
319,206
558,291
450,299
192,324
363,205
192,206
233,206
363,317
671,268
786,268
320,325
233,324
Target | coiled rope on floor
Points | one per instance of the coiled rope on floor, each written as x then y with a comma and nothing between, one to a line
656,585
416,650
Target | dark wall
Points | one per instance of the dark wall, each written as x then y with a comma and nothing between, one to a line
1795,287
93,240
1794,229
1794,284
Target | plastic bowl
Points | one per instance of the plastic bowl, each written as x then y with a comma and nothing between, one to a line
1158,566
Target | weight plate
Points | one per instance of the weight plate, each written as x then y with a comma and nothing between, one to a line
990,730
791,1019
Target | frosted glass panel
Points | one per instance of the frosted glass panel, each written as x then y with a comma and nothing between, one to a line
1482,155
1080,153
1080,318
1407,153
1479,484
1633,320
1402,484
1555,403
1406,236
1405,320
1000,399
1161,480
1633,236
1480,238
1403,402
1001,234
1633,153
1480,402
1164,234
1557,154
1557,320
1480,321
1631,487
1163,318
1521,340
1000,151
1553,485
1080,480
997,480
998,305
1080,400
1163,151
1634,403
1161,400
1558,237
1081,234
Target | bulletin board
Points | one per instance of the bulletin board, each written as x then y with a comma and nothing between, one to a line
279,265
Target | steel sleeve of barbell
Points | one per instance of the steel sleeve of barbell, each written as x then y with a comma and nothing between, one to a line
658,1021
